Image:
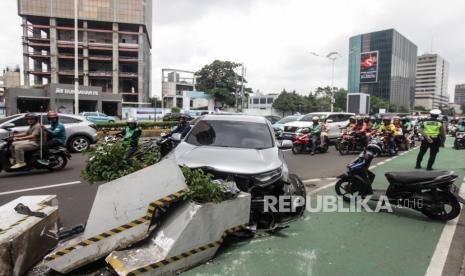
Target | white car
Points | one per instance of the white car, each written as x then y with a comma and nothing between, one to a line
335,121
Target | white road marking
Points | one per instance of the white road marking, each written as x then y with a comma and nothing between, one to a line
438,261
311,180
41,188
322,188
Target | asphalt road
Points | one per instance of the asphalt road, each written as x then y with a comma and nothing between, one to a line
76,195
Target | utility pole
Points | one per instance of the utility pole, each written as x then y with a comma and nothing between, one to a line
76,60
242,88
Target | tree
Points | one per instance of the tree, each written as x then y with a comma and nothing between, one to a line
289,101
419,108
221,81
340,100
376,103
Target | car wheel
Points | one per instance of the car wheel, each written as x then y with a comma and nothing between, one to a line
79,144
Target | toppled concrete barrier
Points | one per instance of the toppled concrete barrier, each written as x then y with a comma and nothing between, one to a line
121,215
190,236
25,239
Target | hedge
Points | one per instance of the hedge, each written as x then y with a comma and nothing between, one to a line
143,125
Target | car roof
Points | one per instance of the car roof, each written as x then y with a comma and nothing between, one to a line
242,118
59,114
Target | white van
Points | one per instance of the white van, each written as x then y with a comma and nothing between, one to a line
335,120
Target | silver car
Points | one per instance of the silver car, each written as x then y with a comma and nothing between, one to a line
80,132
235,144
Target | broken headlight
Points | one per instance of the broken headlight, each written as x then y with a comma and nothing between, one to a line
270,176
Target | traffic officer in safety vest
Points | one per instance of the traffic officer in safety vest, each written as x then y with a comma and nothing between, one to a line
434,136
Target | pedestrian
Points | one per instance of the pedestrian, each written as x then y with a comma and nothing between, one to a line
434,136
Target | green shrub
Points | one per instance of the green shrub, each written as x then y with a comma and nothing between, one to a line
106,162
202,189
175,110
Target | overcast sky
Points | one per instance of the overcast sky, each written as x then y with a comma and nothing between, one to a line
274,38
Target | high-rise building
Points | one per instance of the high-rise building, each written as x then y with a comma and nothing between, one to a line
459,97
114,43
382,64
11,78
431,81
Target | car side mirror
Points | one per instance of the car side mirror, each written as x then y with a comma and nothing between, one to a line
8,126
176,137
285,144
329,121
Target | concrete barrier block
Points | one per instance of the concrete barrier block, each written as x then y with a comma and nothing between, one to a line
121,214
24,239
190,236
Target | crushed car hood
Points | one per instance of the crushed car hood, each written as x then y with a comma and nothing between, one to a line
230,160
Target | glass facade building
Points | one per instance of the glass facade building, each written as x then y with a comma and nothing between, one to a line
396,58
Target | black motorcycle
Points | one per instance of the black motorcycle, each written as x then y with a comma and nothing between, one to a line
58,158
459,142
432,193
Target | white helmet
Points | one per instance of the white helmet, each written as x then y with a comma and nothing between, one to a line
315,118
131,121
435,112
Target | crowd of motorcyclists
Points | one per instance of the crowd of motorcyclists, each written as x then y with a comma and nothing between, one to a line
398,133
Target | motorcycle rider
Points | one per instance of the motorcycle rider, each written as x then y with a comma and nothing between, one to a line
56,136
400,131
360,133
434,133
131,136
315,132
376,122
27,141
183,128
324,132
461,126
389,131
351,124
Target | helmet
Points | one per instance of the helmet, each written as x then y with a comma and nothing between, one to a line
352,119
435,112
131,121
387,119
52,114
315,118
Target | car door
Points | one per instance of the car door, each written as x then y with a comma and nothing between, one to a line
20,124
335,125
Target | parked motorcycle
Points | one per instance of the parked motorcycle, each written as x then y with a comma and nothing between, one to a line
432,193
303,144
58,159
459,142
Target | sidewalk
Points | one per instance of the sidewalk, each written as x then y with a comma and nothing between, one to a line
398,243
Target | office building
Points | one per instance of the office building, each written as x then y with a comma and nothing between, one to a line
382,64
431,82
11,78
114,47
459,97
259,100
174,83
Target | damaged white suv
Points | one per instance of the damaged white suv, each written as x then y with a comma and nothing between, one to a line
243,148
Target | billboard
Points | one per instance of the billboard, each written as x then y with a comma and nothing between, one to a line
369,67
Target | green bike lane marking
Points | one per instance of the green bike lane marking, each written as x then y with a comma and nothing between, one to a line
398,243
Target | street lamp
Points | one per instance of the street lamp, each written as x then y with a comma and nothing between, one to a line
76,60
331,56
